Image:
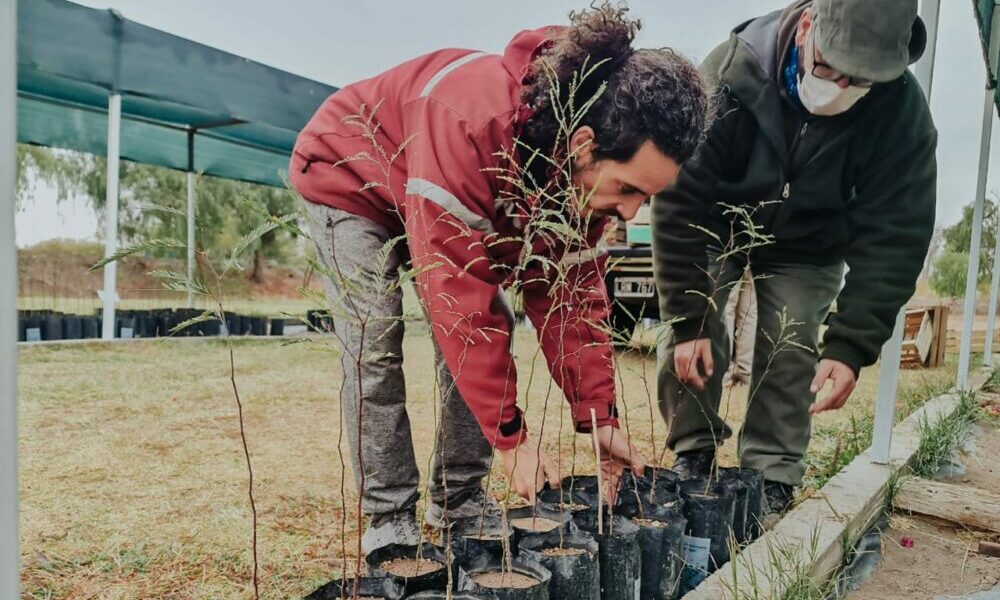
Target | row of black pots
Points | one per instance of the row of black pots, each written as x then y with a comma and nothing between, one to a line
36,326
646,547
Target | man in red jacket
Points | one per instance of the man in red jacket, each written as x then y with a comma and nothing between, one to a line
435,164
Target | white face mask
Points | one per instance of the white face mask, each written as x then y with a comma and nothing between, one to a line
823,97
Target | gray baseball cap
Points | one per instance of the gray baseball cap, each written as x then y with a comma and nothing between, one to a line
871,39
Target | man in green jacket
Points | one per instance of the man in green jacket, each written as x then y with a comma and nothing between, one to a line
821,156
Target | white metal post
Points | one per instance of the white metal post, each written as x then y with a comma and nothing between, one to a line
992,308
885,402
111,215
190,236
9,554
888,379
969,307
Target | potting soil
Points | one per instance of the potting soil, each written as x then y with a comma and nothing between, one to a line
504,579
539,524
411,567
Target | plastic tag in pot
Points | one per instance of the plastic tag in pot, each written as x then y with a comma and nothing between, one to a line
416,568
573,561
362,587
661,538
619,554
519,579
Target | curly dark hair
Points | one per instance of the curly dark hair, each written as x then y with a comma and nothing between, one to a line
653,94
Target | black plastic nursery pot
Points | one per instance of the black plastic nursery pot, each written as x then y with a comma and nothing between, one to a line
258,325
619,554
576,494
416,568
754,481
234,323
277,327
72,327
661,540
147,324
709,508
656,487
246,325
362,587
52,327
33,327
738,488
90,328
445,595
517,579
473,537
125,327
573,560
540,519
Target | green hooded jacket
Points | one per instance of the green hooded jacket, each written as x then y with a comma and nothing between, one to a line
858,187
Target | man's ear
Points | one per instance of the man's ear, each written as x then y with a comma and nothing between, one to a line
582,145
805,24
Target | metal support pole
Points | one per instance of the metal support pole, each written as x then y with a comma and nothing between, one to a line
888,381
992,308
111,215
190,217
969,307
930,10
885,402
9,554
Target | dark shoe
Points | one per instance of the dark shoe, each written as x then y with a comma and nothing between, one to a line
777,500
694,463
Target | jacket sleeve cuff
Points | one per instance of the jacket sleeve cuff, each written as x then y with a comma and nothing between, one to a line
607,414
510,434
688,329
847,354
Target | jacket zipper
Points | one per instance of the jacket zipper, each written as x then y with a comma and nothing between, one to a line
786,190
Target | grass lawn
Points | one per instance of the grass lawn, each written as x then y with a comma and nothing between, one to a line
133,482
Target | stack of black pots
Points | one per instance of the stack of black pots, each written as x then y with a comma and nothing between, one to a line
661,538
44,325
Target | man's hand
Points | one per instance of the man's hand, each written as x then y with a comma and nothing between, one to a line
693,362
843,380
617,453
528,468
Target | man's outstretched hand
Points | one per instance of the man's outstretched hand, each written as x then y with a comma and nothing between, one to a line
617,454
527,468
843,380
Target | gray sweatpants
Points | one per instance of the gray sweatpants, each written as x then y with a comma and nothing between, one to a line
792,301
367,304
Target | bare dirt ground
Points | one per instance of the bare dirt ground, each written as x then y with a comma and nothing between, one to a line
942,561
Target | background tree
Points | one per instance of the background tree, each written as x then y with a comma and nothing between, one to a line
958,236
153,203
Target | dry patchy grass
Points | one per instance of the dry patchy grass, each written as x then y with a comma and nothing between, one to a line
133,483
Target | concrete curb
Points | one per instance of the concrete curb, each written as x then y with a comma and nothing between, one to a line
832,519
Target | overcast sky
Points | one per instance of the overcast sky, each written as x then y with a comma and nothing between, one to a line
339,41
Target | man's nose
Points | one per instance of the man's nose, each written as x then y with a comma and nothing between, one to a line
627,212
844,82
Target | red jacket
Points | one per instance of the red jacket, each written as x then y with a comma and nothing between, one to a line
448,113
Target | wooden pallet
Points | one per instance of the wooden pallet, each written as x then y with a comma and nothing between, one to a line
925,337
